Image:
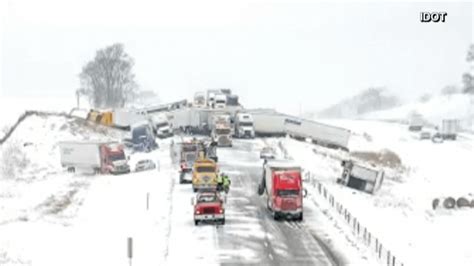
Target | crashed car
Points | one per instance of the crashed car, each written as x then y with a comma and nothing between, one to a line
144,165
267,153
208,207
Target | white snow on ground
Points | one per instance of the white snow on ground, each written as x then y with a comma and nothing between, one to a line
50,217
457,106
114,208
400,214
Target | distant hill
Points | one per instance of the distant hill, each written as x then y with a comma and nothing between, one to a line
370,100
456,106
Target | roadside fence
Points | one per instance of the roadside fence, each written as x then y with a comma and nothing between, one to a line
382,252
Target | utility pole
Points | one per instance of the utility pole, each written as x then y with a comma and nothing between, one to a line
78,94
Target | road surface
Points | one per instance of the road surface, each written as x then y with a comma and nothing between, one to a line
250,235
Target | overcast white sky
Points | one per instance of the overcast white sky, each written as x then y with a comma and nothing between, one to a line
273,54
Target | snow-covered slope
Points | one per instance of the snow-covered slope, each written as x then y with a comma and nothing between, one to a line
11,108
458,106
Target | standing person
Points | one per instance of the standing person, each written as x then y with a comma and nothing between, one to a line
226,183
220,182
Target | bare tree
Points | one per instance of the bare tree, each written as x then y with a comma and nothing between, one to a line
468,77
108,80
449,90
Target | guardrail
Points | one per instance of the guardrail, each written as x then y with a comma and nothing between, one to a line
382,253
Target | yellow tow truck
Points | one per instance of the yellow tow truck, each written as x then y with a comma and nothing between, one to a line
204,174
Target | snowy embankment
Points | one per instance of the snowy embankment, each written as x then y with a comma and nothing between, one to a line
456,106
51,217
12,108
401,214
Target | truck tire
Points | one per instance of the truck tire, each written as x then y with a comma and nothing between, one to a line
195,190
196,222
300,217
276,216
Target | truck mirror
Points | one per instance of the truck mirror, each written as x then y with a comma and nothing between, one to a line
192,201
305,193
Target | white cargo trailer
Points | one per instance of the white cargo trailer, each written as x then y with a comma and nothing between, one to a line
123,118
268,123
97,156
321,134
449,128
416,122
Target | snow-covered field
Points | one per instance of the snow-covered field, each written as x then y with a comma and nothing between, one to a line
456,106
401,214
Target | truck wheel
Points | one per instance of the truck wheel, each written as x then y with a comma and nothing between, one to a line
196,222
223,221
300,217
276,216
195,190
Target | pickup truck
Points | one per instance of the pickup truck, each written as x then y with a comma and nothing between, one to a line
208,207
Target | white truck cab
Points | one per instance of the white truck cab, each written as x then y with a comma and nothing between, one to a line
244,125
161,126
220,101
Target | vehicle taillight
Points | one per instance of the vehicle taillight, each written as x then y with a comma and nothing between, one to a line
197,212
221,211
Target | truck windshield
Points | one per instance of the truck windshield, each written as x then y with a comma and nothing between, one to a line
187,148
287,192
205,169
117,156
246,124
164,124
207,198
223,131
139,131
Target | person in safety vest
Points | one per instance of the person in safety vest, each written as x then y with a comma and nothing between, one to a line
226,182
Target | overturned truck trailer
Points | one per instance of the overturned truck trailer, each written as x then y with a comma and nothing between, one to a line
361,177
321,134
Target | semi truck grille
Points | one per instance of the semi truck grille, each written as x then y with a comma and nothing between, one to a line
208,210
223,140
288,204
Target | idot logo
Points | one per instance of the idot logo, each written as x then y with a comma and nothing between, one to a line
433,17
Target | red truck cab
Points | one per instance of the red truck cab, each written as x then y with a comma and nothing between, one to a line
208,207
283,188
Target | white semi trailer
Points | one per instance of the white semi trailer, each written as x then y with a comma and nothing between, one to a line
319,133
268,123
